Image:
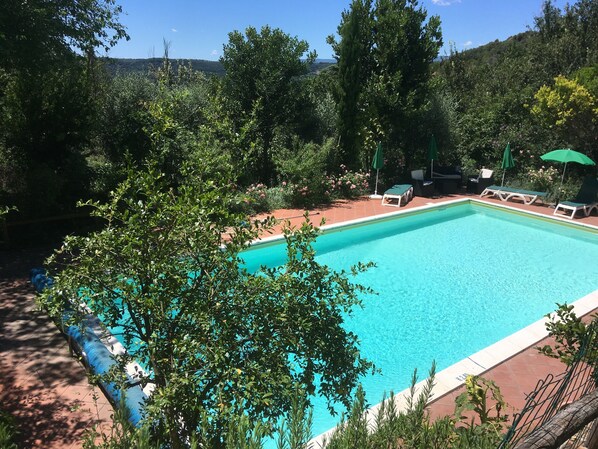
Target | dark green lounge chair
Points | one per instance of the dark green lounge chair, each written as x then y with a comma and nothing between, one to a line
506,193
397,192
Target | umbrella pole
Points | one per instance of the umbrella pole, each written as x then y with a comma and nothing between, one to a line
503,178
562,178
376,188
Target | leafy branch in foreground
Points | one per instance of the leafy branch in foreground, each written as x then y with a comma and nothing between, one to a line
217,342
569,333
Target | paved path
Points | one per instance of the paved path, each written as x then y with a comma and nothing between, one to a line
41,384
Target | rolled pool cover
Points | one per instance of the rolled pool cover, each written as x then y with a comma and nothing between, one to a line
97,355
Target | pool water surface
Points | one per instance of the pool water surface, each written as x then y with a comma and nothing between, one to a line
450,281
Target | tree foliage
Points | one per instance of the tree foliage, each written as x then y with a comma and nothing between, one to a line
261,85
384,58
36,32
354,66
494,90
217,341
571,110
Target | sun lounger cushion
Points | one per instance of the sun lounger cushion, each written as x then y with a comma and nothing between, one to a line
506,193
398,191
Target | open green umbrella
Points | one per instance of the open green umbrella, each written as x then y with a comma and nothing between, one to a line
567,155
507,162
432,153
377,164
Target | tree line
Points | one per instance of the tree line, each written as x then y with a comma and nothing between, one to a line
68,129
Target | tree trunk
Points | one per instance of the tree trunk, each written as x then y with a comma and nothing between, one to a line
562,426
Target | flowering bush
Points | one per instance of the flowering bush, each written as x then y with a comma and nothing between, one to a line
256,198
305,192
543,179
347,184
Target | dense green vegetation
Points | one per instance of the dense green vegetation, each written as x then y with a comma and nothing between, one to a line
8,431
172,160
70,125
233,341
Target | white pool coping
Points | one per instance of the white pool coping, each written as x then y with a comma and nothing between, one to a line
398,213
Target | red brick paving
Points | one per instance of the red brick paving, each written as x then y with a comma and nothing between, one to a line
47,390
41,384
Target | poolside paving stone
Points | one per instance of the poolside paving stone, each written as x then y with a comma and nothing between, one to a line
46,388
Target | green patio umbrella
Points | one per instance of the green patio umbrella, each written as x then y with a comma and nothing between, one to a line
567,155
432,153
507,162
377,164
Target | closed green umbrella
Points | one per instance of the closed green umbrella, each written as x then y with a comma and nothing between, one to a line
432,153
507,162
377,164
567,155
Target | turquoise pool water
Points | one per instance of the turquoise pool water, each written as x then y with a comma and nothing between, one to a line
451,281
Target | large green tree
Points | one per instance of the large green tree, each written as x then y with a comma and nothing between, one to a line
262,88
36,32
48,96
218,342
353,53
384,59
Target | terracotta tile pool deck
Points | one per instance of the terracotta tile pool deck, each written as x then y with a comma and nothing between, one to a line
46,389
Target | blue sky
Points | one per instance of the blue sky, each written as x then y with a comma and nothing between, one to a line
199,28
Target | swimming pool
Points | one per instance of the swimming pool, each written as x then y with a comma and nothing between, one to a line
451,281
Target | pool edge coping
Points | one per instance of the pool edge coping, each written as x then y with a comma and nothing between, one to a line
419,209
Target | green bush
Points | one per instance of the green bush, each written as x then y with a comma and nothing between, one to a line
302,169
8,431
414,429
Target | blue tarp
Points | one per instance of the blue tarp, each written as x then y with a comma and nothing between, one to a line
99,358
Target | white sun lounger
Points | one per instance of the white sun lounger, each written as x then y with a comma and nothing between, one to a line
574,207
399,192
585,201
506,193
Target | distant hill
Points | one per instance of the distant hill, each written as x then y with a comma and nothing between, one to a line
123,66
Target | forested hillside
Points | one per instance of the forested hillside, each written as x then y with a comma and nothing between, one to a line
121,66
536,90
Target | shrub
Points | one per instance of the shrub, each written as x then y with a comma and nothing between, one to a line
348,184
543,179
256,198
8,431
414,429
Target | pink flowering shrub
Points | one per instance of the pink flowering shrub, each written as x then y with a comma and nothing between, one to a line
256,198
347,184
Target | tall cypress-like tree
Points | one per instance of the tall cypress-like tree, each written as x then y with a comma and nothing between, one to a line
384,55
353,55
405,45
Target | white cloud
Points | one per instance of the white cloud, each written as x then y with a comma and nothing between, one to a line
445,2
174,30
467,44
214,52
